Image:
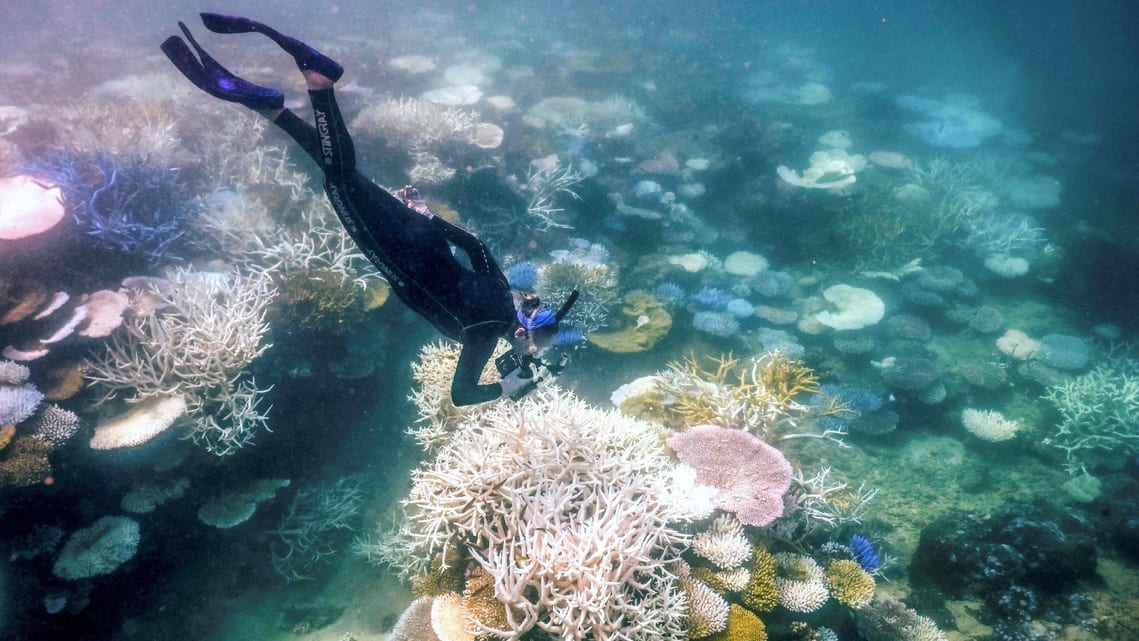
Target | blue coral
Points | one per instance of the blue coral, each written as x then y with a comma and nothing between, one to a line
124,203
669,293
739,308
710,298
716,323
523,275
863,550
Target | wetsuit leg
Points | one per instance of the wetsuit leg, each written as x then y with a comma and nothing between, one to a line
411,252
301,131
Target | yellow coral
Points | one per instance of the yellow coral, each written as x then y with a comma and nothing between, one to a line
759,394
761,593
481,605
849,583
742,626
786,378
643,323
439,579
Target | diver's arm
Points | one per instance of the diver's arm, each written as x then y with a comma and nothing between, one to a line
481,259
465,387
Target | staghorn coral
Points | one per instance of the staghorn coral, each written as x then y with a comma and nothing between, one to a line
1097,414
306,536
123,204
198,346
569,508
436,136
760,395
849,583
822,501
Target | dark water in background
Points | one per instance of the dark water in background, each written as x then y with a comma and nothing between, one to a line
1044,67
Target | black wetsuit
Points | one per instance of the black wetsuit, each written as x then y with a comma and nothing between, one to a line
474,306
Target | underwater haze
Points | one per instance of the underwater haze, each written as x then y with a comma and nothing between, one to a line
855,356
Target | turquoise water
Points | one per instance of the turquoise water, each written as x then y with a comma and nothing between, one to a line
906,232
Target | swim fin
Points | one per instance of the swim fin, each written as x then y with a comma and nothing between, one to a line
307,58
214,79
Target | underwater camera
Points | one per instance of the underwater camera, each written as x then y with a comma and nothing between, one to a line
535,370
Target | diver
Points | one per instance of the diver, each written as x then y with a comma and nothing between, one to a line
400,236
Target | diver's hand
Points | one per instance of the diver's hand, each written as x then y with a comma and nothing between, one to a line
513,383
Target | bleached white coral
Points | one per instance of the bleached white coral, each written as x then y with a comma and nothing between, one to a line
723,543
707,611
569,508
801,581
989,425
210,329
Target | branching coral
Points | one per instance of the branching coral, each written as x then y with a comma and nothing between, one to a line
123,203
760,395
306,536
544,184
570,509
1097,414
597,284
198,346
822,501
433,134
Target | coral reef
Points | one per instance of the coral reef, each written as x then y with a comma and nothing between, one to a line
235,508
891,620
761,593
122,203
760,395
576,534
433,372
434,135
989,425
849,584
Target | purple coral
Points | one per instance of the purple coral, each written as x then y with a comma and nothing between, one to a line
752,476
